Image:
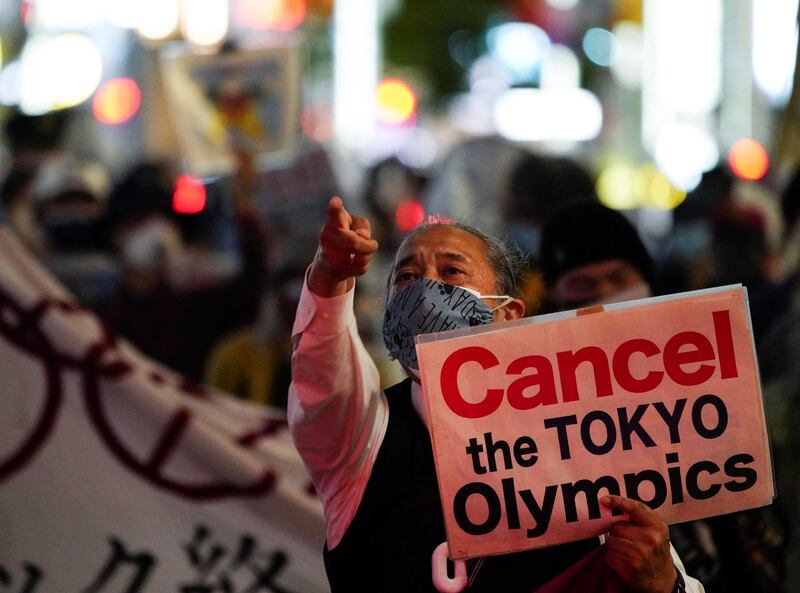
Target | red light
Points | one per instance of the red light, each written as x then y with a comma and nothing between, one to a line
26,12
748,159
189,196
281,15
116,101
408,215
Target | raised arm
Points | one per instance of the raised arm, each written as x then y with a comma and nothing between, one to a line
337,412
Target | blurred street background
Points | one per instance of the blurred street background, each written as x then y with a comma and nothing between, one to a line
169,161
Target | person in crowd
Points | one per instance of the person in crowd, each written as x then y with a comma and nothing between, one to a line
19,209
740,252
780,375
389,184
539,186
177,300
254,362
592,255
70,216
369,452
472,184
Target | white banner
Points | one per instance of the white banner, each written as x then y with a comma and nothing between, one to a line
116,476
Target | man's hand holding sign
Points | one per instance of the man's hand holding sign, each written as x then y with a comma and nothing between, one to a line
638,548
500,476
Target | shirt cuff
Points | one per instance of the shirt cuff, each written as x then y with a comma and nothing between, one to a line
323,315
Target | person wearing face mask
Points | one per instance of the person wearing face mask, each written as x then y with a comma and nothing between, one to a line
369,452
592,255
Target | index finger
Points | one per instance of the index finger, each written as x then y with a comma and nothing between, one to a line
639,513
337,214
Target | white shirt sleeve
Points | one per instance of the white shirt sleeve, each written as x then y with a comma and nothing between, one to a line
337,411
692,584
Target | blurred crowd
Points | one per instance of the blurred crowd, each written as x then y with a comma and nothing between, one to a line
212,294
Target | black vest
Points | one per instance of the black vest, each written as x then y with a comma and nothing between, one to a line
387,547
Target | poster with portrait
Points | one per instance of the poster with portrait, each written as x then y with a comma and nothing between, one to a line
247,99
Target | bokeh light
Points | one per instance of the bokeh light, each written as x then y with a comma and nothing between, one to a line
600,46
280,15
116,101
420,149
654,190
396,102
11,83
58,72
775,32
409,215
616,186
560,69
158,19
683,152
189,196
520,47
627,65
205,22
530,115
563,4
748,159
623,186
122,13
26,12
58,16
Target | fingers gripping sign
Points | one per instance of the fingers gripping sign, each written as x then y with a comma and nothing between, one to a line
345,250
638,547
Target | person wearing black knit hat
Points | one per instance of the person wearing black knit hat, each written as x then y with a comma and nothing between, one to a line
591,255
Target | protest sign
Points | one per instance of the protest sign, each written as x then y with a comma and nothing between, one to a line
116,474
533,420
249,98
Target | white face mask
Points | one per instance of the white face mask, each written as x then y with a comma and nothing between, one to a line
152,244
638,291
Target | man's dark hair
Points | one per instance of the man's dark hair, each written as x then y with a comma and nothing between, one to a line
507,262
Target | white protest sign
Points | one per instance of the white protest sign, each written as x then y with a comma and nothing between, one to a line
532,421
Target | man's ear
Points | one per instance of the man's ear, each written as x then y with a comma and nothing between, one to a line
513,310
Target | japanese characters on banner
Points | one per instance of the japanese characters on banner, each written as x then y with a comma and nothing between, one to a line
533,421
244,98
118,475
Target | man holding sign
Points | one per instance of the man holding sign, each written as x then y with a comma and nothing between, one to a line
369,453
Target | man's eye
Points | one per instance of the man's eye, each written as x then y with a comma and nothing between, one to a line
453,271
403,276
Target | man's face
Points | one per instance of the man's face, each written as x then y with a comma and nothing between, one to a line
450,255
602,281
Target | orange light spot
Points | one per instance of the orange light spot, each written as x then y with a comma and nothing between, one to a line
116,101
396,102
189,196
748,159
409,214
280,15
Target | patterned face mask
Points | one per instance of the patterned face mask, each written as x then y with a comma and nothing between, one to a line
428,306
